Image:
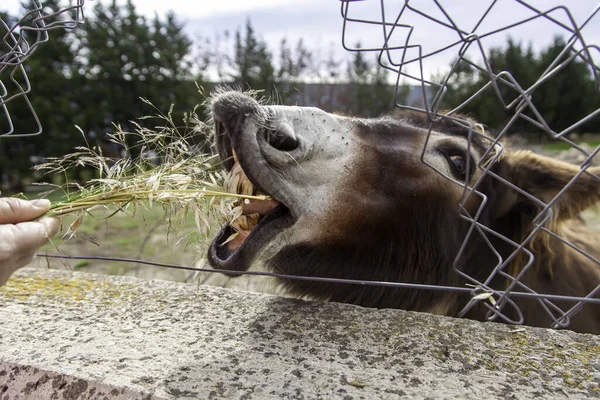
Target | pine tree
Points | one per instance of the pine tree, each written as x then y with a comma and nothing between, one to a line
125,56
252,62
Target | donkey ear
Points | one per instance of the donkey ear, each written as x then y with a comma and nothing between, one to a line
544,178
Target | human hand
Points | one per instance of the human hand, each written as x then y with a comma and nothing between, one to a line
20,237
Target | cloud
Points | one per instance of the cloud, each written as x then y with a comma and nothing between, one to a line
198,9
320,24
311,19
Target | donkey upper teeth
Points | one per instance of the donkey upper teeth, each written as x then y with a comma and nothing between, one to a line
234,180
247,188
238,182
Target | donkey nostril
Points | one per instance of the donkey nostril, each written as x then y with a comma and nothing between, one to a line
282,138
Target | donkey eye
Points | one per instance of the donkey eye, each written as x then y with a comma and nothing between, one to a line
457,159
458,164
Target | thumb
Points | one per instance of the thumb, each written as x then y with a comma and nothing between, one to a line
13,210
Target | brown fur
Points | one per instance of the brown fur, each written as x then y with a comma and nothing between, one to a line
416,238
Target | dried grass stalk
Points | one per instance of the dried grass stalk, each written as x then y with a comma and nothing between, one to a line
161,166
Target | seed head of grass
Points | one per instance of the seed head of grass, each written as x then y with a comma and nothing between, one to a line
169,165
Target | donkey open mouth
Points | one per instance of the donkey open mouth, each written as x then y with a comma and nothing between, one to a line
247,146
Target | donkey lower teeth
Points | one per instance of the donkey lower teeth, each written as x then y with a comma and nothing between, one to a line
245,222
252,209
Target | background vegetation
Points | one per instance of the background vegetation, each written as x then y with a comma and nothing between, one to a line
568,96
94,76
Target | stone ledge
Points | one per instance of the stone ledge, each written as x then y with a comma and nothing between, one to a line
84,336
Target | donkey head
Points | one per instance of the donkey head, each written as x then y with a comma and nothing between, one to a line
360,198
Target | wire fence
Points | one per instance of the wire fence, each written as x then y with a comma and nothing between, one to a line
20,39
402,25
401,52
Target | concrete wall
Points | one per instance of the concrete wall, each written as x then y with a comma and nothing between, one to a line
83,336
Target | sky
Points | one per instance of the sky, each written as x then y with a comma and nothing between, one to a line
320,24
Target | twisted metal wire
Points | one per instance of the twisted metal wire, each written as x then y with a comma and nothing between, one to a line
399,26
20,39
402,285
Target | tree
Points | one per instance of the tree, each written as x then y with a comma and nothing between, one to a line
94,77
561,100
252,62
125,56
49,70
292,65
567,96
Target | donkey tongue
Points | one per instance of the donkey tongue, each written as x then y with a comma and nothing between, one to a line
236,242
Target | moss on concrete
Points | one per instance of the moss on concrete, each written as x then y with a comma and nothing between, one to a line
63,289
173,339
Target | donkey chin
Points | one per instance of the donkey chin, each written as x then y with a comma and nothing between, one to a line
377,199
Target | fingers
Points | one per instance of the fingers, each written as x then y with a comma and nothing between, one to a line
13,210
21,238
19,242
52,225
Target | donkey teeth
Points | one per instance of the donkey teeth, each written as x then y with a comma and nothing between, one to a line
240,224
234,179
253,219
245,222
238,182
233,184
247,188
